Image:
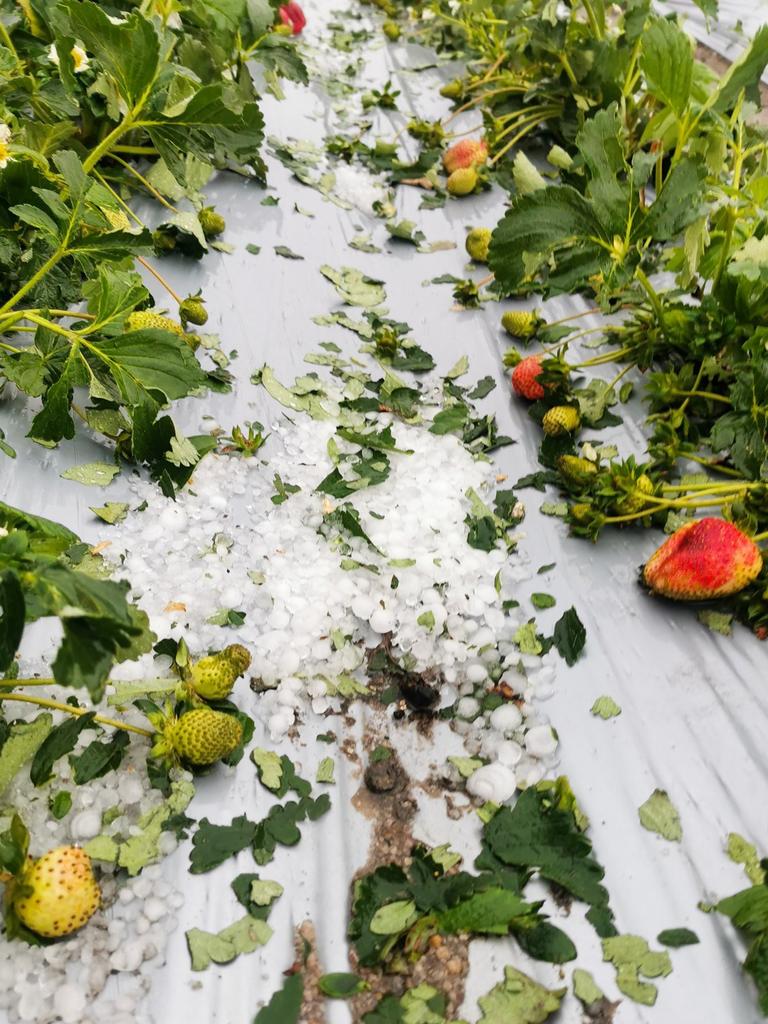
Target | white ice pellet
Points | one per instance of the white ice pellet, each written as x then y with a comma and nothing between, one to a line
508,753
506,718
494,782
476,672
540,741
467,707
154,909
69,1002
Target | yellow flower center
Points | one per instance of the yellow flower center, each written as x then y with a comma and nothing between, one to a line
78,58
5,154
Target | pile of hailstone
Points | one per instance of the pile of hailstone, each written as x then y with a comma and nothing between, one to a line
225,545
102,972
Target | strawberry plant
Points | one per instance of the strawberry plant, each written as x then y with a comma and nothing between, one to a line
96,109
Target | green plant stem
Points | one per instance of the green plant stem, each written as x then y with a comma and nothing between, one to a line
147,185
520,135
39,274
744,485
620,374
653,297
573,316
5,39
702,394
136,150
606,357
108,142
27,682
702,461
56,705
160,279
670,504
760,536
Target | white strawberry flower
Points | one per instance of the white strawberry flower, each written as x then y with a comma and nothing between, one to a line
79,58
5,138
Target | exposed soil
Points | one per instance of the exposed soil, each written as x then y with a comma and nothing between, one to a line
314,1002
387,800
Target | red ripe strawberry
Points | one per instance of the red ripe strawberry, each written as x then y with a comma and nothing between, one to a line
292,15
524,378
465,153
704,559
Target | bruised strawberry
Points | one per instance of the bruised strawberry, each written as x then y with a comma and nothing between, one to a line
292,15
524,378
465,153
702,560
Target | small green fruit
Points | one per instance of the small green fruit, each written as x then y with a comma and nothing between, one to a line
193,311
212,223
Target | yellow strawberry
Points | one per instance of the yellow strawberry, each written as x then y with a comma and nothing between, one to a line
560,419
462,181
56,893
213,677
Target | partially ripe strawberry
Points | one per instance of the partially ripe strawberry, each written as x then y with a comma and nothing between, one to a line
465,153
57,893
705,559
292,15
525,378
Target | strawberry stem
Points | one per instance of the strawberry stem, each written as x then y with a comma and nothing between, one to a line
56,705
702,394
160,279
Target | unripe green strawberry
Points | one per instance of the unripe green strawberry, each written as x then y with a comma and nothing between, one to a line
57,893
391,30
212,223
635,501
146,319
477,244
213,677
203,736
576,471
462,182
453,90
561,419
521,323
163,241
192,311
705,559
